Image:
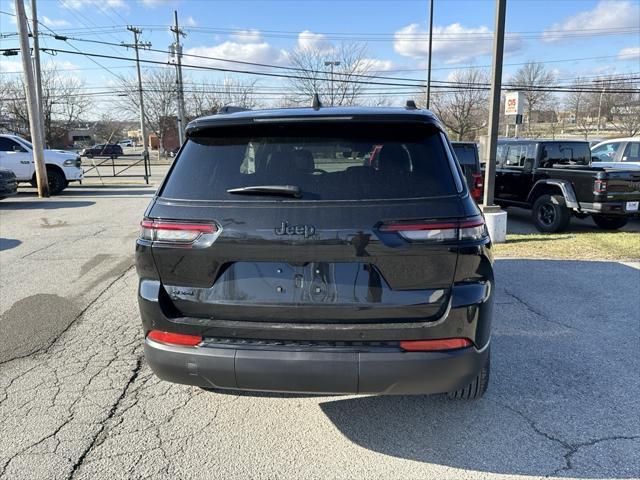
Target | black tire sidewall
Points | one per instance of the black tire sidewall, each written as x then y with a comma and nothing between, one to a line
562,215
57,182
609,223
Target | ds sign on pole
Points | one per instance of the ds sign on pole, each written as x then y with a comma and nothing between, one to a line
513,104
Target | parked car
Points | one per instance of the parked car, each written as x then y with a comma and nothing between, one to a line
8,183
555,180
127,143
619,153
63,167
469,159
285,263
112,150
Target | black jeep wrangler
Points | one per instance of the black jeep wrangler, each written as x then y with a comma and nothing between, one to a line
555,179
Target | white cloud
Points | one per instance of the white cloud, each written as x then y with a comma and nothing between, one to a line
259,52
78,4
607,14
190,21
308,40
453,43
378,65
629,53
52,22
247,36
10,66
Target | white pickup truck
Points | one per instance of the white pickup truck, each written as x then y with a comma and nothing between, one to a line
16,154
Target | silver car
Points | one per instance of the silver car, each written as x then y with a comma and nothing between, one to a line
621,153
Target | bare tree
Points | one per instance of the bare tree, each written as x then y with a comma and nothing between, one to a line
63,102
347,60
580,103
159,90
625,113
530,77
207,98
463,110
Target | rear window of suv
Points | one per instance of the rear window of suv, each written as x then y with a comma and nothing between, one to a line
327,162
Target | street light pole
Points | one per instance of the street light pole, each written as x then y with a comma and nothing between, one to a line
430,52
332,64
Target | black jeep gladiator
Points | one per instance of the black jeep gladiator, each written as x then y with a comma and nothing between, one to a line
555,179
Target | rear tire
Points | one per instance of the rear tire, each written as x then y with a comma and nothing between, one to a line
477,387
609,223
57,182
550,214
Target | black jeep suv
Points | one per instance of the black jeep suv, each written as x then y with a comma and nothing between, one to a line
276,257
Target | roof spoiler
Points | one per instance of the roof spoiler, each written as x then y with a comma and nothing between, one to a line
231,109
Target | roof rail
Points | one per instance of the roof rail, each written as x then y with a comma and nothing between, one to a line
231,109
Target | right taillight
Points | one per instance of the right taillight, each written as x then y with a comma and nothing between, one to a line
600,186
438,231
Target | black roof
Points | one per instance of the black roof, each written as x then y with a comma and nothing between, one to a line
338,114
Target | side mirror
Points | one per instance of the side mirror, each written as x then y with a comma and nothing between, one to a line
595,158
18,148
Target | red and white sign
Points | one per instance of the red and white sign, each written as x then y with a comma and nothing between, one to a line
513,104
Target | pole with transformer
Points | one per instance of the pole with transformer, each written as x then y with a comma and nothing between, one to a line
35,121
143,129
495,218
180,87
36,66
430,53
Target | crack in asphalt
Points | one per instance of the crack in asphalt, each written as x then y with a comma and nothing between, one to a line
46,348
571,448
537,312
112,411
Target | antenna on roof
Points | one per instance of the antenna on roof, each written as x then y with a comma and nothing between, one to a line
317,104
411,105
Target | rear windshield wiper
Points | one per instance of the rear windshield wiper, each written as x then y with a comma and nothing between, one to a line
285,190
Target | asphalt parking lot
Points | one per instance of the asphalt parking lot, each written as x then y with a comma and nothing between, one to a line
78,401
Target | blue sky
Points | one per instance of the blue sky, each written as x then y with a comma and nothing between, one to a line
264,31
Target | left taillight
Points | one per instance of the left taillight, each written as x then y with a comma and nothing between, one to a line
478,187
445,231
177,233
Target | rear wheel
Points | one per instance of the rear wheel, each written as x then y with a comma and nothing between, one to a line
609,223
550,213
477,387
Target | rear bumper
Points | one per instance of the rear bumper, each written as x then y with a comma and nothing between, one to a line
311,371
614,209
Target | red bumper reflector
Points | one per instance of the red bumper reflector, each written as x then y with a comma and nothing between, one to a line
435,345
175,338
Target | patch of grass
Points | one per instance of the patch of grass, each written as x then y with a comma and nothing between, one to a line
578,246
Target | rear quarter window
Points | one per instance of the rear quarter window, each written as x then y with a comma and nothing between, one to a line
327,162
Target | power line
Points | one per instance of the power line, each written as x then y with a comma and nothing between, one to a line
300,77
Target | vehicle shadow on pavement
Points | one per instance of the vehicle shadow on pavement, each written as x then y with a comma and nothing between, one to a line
562,398
8,243
44,204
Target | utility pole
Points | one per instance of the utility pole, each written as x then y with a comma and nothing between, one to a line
177,49
494,114
143,128
600,107
332,64
36,66
496,219
430,52
35,121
